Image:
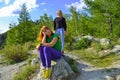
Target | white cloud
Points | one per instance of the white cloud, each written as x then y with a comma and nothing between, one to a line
8,10
78,5
5,1
43,3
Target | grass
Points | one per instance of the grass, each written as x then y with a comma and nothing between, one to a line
26,73
91,55
95,59
15,53
32,57
29,70
0,52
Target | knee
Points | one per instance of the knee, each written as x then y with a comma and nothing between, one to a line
40,48
46,48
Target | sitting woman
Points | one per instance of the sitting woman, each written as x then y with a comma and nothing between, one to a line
49,49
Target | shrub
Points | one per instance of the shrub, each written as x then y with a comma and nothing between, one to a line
99,47
81,44
15,53
26,73
29,45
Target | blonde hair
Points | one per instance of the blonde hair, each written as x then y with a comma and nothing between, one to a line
59,13
40,37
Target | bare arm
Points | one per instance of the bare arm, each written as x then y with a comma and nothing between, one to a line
44,38
52,43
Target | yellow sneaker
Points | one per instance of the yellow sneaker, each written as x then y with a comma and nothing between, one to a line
48,73
43,72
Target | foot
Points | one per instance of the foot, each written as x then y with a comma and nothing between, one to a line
48,73
62,51
43,72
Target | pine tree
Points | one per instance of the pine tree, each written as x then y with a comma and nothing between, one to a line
24,15
105,14
75,18
24,31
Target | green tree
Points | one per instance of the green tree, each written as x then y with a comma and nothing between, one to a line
75,19
105,15
46,20
24,14
23,32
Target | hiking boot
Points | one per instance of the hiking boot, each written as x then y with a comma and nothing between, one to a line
48,73
43,72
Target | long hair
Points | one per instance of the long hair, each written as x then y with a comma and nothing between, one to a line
40,37
59,13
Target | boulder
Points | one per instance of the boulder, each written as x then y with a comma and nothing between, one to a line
91,38
118,77
60,71
105,41
109,78
116,49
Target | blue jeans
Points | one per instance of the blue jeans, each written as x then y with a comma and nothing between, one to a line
60,32
47,54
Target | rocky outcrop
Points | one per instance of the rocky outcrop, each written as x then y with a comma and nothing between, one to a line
113,77
61,71
2,40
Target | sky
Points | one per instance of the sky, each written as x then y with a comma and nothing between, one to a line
9,9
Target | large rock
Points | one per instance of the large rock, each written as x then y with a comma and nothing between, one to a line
118,77
91,38
61,71
110,78
105,41
2,40
116,49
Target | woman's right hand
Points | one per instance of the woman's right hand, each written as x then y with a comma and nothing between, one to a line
44,34
64,32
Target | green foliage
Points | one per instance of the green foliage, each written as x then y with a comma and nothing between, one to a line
74,20
26,30
81,44
99,47
15,53
46,20
24,15
68,39
103,13
22,33
26,73
101,19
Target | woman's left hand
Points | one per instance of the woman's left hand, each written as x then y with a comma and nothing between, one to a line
64,32
37,46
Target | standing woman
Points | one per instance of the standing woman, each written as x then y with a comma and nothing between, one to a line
60,27
49,49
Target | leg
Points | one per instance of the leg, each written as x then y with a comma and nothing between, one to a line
51,54
62,37
57,31
42,56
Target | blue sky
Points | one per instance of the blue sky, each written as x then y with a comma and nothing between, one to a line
9,9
